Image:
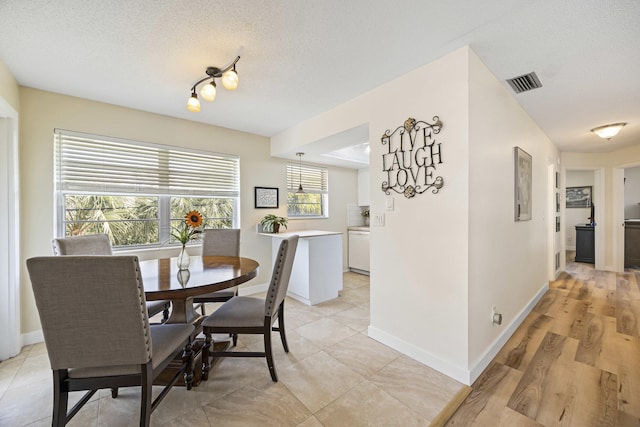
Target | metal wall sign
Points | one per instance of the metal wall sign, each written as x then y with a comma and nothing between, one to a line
412,158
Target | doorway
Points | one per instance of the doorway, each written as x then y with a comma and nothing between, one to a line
585,181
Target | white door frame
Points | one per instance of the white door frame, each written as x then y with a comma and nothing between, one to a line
618,215
9,233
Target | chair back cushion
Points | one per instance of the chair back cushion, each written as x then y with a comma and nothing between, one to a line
92,310
221,242
281,274
91,244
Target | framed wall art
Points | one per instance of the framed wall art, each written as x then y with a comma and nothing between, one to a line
523,182
266,197
579,197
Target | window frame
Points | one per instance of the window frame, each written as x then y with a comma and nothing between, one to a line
230,164
315,180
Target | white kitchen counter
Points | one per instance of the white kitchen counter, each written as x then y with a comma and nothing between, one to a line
317,268
302,233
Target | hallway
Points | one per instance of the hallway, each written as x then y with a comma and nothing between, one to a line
574,361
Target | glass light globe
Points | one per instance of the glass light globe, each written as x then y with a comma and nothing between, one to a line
193,104
608,131
208,92
230,80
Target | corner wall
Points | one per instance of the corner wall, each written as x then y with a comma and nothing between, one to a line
508,260
441,259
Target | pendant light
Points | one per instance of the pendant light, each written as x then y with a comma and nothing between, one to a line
300,189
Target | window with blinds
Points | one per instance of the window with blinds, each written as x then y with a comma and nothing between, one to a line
313,202
137,192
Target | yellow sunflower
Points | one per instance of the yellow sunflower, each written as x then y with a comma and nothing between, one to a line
188,229
193,219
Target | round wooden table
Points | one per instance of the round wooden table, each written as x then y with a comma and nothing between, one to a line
163,281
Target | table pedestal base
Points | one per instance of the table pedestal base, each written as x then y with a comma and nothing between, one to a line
174,366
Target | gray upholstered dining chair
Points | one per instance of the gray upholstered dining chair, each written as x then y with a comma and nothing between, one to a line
248,315
99,244
219,242
97,333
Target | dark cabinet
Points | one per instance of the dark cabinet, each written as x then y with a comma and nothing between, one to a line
585,244
632,243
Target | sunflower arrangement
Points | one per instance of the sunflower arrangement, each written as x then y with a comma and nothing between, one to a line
189,228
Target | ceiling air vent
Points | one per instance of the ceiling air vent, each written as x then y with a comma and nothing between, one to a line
524,83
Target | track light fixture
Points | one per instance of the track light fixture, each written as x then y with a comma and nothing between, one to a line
229,77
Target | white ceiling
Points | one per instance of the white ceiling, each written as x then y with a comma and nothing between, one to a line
301,58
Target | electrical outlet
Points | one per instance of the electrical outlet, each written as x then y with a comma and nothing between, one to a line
495,316
377,219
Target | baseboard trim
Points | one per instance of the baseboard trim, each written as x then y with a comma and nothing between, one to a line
419,354
502,339
465,376
31,338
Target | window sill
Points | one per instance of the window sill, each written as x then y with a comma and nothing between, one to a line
294,218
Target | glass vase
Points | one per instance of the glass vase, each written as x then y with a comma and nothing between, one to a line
183,259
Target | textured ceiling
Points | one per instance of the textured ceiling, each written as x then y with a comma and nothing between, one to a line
301,58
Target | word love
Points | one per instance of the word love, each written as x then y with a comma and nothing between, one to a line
412,159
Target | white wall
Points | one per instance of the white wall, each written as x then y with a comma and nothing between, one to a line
576,216
9,87
44,111
507,259
441,259
632,193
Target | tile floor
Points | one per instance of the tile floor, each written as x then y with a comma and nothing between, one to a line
334,375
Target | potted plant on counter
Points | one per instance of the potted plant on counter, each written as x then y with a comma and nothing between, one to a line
271,223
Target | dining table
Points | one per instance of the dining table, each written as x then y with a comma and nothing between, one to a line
163,280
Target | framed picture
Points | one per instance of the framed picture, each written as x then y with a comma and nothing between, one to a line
557,224
523,179
266,197
579,197
557,179
557,202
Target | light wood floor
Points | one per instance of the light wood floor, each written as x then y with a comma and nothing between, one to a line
574,361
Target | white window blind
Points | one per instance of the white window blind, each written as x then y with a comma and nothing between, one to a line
110,165
315,179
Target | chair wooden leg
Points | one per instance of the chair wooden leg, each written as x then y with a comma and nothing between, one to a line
234,338
283,337
269,354
187,357
202,309
60,399
114,392
145,398
206,365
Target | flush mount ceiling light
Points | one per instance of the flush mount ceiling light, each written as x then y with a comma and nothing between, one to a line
300,190
608,131
229,77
